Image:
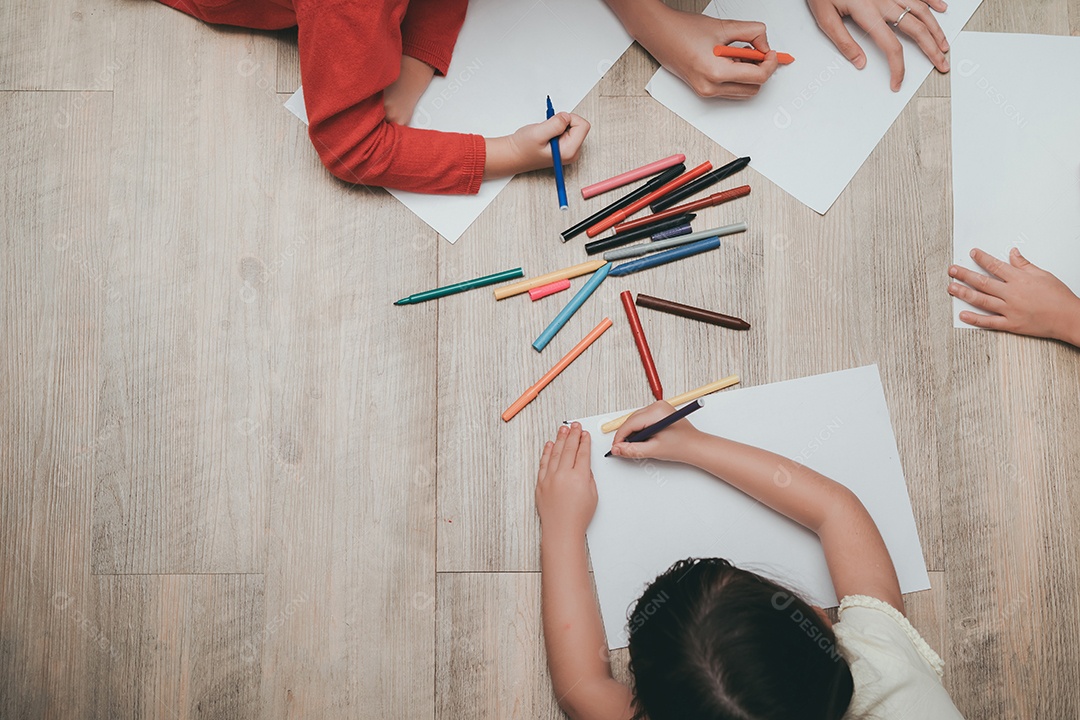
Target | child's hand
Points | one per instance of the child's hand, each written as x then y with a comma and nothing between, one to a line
400,98
529,149
565,489
683,43
918,23
1026,299
668,444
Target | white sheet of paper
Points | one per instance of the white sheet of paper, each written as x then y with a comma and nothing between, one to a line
652,514
1016,151
815,121
509,56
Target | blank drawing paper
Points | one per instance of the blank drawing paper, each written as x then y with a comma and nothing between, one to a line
1016,151
815,121
652,513
509,56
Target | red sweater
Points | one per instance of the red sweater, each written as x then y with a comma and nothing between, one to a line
350,51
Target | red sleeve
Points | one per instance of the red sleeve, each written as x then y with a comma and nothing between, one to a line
431,29
350,51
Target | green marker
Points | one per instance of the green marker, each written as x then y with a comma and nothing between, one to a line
461,287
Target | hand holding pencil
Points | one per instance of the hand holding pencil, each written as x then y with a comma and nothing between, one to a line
668,444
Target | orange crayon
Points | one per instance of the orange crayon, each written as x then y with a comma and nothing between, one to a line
742,53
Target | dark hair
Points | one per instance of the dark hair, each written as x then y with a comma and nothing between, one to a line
710,641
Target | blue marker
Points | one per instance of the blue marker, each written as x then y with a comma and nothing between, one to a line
677,253
571,307
556,158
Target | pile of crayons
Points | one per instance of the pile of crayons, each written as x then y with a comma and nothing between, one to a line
670,237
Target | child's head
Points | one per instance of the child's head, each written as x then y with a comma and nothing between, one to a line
708,640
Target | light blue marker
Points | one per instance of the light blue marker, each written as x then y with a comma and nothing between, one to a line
571,307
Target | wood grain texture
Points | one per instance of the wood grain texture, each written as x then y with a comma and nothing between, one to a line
239,483
58,45
173,491
52,205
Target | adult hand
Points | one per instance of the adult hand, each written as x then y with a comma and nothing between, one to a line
683,43
875,17
1024,298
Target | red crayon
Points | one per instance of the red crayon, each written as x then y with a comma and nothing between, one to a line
642,344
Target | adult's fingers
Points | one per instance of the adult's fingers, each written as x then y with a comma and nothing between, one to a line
992,265
830,22
915,27
980,282
749,73
977,299
922,11
991,322
875,26
751,32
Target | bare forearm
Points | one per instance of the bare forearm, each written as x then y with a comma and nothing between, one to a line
574,635
641,18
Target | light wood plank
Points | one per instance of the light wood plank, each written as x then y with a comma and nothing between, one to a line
189,221
52,213
349,414
178,646
58,45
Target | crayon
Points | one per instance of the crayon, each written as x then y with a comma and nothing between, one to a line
707,180
612,425
744,53
630,176
525,285
665,257
657,246
550,289
460,287
571,307
670,174
642,344
689,311
662,191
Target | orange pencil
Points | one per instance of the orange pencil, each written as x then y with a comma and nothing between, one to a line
742,53
529,395
714,199
650,198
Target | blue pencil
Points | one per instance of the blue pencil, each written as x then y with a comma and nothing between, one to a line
556,159
676,253
571,307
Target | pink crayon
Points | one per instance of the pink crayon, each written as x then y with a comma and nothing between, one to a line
549,289
630,176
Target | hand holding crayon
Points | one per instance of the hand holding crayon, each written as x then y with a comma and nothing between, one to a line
669,444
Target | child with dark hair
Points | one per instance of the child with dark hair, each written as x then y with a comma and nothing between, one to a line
711,641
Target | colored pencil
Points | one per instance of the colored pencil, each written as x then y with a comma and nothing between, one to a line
662,191
707,180
692,206
612,425
526,285
571,307
647,432
630,176
658,245
744,53
689,311
529,395
550,289
614,241
665,257
556,160
670,174
460,287
642,344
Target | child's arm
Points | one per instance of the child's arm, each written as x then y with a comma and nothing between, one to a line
1025,299
859,563
683,43
573,634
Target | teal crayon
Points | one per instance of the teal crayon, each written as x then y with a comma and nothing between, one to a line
461,287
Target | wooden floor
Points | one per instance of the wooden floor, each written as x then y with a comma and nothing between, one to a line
236,482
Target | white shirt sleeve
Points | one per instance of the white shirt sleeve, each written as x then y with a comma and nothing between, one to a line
897,675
